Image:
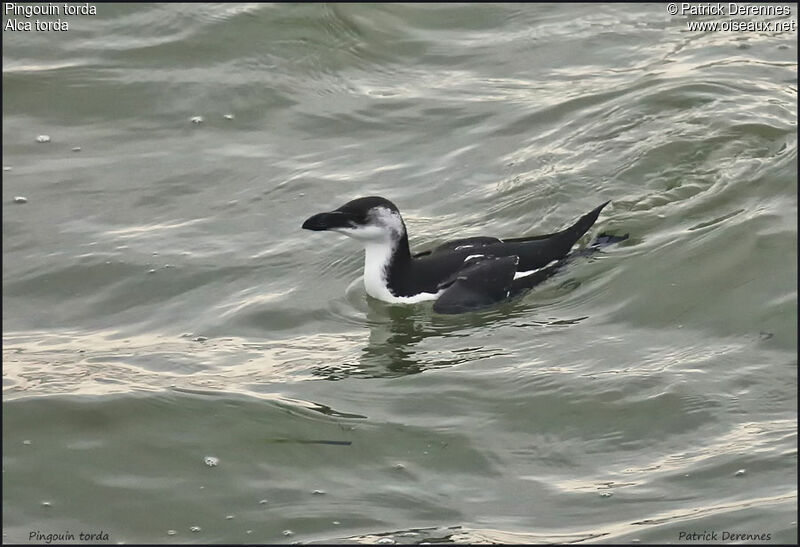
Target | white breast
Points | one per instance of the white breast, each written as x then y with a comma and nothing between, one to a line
376,266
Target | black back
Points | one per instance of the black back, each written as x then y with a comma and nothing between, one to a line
426,271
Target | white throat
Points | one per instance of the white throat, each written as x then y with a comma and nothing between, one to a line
377,257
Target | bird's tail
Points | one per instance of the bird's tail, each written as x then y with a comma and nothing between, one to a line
575,231
527,282
568,237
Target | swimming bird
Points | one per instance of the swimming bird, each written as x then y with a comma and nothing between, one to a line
460,275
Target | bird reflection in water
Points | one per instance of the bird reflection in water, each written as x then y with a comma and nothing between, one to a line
395,331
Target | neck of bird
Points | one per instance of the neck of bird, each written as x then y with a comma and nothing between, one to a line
382,259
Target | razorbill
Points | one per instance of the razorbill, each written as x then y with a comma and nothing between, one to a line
460,275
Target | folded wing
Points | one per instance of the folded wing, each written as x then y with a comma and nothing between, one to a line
466,243
480,282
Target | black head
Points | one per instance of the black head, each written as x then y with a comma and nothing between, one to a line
370,218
